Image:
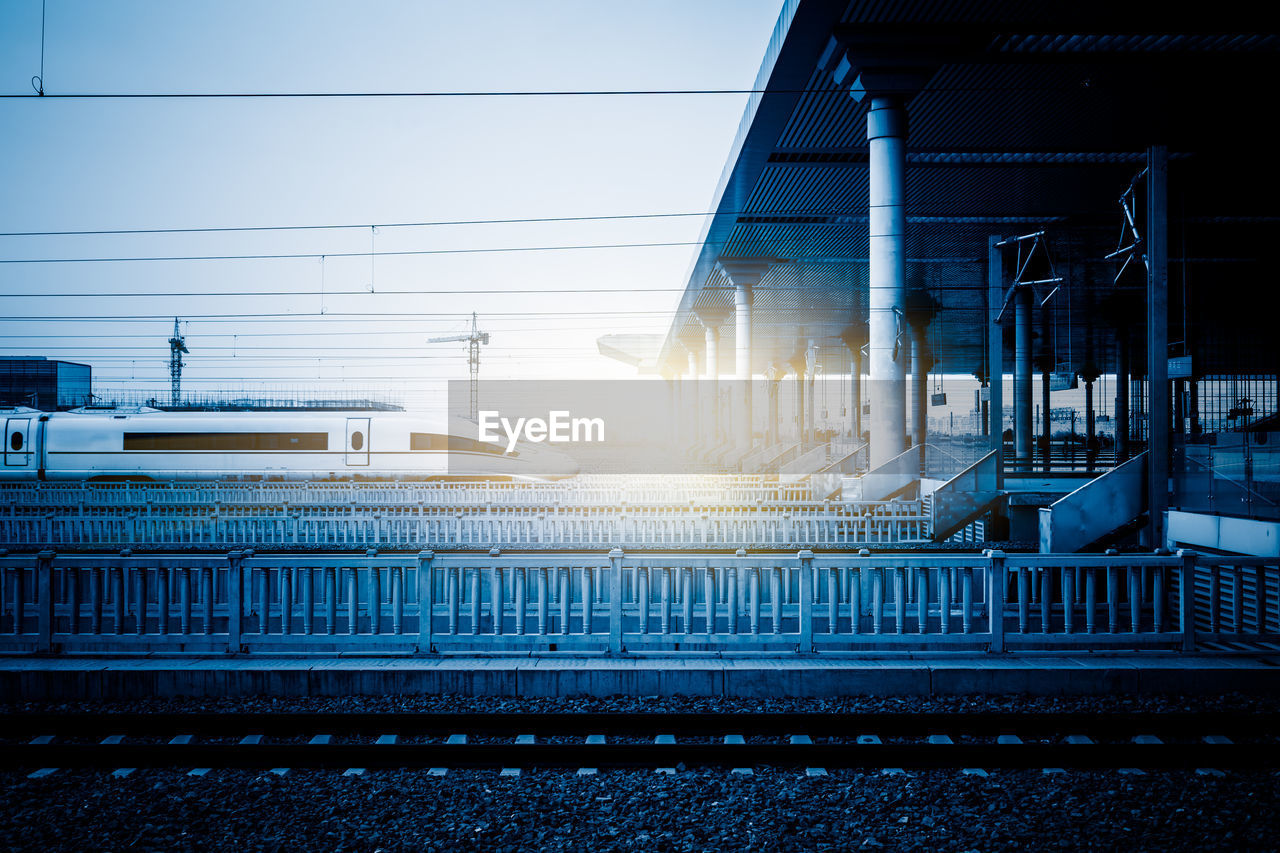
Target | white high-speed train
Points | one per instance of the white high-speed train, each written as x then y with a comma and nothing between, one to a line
149,444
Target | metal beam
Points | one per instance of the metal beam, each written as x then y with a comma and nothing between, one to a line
860,157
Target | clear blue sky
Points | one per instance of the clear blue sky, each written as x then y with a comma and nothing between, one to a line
112,164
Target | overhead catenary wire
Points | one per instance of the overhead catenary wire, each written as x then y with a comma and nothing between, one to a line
316,315
324,293
423,224
501,93
371,254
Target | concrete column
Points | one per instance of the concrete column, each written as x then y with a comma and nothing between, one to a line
1090,375
1122,394
713,379
811,371
1193,405
855,393
744,274
694,400
798,365
742,298
676,378
855,337
1022,378
920,382
672,406
773,432
886,139
1157,251
1046,421
995,353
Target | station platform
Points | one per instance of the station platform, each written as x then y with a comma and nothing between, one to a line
67,678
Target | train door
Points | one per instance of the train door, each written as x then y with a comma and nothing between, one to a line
357,441
17,441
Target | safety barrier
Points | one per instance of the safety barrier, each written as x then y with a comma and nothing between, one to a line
585,490
435,526
615,602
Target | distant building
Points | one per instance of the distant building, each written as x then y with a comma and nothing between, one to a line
35,381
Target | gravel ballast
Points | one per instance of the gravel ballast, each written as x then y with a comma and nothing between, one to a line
692,810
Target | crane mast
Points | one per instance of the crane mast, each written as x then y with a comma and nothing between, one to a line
473,340
177,346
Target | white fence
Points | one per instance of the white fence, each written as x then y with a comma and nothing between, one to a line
618,603
436,526
581,491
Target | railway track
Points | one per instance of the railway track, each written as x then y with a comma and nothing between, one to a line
973,741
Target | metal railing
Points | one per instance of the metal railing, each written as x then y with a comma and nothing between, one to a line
585,490
617,603
431,525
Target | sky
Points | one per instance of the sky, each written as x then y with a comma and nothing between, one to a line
187,163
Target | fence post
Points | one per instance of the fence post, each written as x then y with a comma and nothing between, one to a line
235,599
375,587
426,603
806,601
44,595
1187,599
615,601
995,598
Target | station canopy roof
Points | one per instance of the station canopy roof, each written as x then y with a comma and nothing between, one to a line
1026,117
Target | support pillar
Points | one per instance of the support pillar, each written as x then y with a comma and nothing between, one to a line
742,299
1193,405
673,406
855,393
694,401
995,354
798,365
1157,251
1122,394
811,375
744,274
886,139
773,433
1022,378
1046,420
1090,375
711,320
919,386
712,394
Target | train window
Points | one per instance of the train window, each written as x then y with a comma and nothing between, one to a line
357,440
225,441
454,444
15,441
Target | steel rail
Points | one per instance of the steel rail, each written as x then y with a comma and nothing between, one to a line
559,755
683,724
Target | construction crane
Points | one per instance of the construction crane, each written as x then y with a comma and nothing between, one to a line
473,340
177,346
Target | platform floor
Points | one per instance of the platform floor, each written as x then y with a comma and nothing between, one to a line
29,678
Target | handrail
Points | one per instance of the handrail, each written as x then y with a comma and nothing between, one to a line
617,602
965,497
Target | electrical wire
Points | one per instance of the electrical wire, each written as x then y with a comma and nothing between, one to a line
317,255
170,294
311,315
424,224
510,93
